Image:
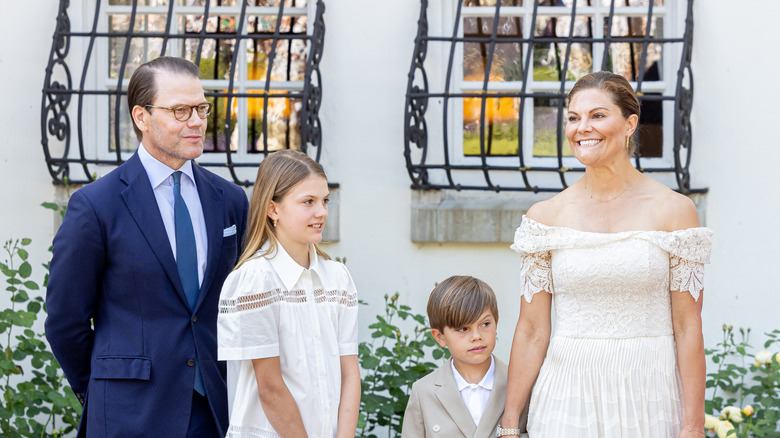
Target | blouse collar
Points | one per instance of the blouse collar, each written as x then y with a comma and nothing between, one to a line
289,270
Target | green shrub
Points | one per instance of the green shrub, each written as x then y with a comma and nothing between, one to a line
392,362
736,382
38,397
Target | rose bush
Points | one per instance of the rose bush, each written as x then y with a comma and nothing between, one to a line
734,384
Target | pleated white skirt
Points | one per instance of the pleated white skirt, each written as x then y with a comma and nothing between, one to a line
608,388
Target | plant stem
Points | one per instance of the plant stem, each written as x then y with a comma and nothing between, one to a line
10,251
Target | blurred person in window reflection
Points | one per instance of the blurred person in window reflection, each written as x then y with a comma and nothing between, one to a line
136,271
624,256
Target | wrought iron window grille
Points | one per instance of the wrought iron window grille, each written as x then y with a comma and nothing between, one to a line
431,160
66,119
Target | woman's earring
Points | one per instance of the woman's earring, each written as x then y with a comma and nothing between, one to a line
275,221
627,139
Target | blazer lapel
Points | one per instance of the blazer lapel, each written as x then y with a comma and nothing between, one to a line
140,201
213,204
449,396
495,405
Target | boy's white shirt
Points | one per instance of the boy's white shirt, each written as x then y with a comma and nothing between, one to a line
475,396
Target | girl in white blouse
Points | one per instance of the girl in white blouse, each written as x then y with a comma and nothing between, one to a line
288,314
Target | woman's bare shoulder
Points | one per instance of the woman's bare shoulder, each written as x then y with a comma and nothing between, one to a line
549,211
675,211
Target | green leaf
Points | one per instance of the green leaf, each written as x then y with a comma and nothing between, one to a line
22,254
31,285
25,269
36,362
26,241
57,399
370,363
33,307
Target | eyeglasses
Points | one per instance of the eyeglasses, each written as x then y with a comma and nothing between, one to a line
184,112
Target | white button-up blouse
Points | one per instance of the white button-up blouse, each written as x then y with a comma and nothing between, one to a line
307,317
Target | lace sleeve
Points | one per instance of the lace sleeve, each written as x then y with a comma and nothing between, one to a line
686,276
536,274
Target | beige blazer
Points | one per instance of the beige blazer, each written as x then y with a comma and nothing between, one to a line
436,409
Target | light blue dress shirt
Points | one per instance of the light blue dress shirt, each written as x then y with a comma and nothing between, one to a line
161,179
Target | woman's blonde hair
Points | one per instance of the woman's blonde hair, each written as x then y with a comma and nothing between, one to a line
276,176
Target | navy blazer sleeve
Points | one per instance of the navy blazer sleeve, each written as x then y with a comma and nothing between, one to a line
77,266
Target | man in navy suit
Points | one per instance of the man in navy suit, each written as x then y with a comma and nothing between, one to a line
134,330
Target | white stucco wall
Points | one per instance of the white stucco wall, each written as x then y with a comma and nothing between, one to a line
25,41
735,155
367,55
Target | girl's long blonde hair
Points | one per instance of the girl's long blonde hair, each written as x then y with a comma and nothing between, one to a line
276,176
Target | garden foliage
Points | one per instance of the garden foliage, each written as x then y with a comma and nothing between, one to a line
36,402
745,399
392,361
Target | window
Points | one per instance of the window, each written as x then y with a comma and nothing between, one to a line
489,79
259,68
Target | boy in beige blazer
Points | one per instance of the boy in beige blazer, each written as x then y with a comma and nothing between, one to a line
465,397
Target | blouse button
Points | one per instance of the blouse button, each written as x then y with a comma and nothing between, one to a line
436,428
191,363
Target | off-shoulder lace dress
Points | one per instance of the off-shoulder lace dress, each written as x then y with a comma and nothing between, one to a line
611,368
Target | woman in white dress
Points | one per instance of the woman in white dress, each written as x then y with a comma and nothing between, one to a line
624,256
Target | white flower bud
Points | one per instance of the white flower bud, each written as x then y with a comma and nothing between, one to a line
763,357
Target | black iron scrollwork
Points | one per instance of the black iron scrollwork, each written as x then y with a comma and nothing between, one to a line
63,125
311,131
682,110
439,167
55,121
415,127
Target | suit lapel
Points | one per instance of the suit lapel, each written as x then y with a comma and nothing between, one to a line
449,396
213,204
140,201
495,405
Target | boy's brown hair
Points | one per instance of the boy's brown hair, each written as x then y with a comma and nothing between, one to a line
460,300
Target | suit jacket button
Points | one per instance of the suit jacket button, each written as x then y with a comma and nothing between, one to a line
191,362
436,428
194,318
